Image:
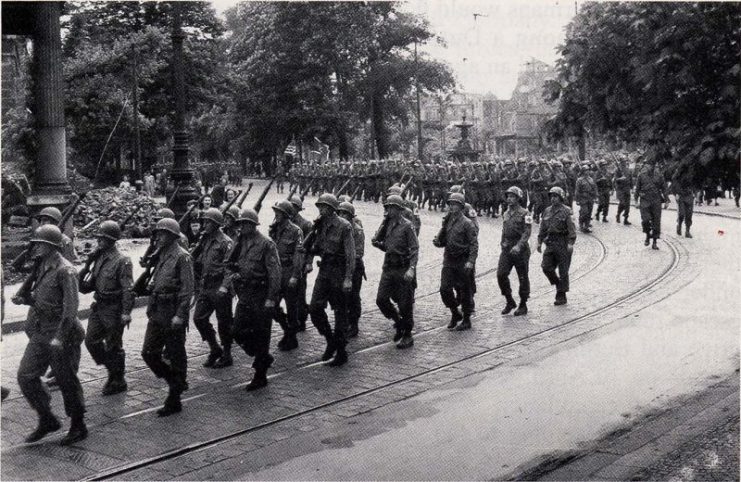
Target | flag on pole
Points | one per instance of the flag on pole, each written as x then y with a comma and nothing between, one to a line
319,151
291,149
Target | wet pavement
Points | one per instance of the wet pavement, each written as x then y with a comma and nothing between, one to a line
641,328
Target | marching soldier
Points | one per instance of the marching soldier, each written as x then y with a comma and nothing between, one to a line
516,228
208,255
623,183
684,193
458,237
289,241
334,243
111,279
55,336
650,190
604,189
586,192
397,239
171,289
257,278
558,233
305,225
347,212
53,216
230,223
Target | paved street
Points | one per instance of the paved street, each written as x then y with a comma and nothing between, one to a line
642,330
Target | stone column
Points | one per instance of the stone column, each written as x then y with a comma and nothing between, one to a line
181,173
51,187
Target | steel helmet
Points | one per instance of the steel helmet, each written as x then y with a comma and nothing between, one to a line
233,212
394,190
344,199
109,229
165,213
509,162
169,225
514,190
214,214
395,200
532,163
410,204
284,207
457,197
557,191
347,207
49,234
51,213
328,199
557,164
249,215
457,188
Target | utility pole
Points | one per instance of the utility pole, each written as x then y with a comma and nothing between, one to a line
420,147
137,134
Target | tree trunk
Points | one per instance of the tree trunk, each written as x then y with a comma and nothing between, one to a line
379,130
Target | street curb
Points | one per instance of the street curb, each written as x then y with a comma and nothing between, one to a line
696,213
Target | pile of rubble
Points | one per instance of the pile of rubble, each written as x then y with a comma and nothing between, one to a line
117,204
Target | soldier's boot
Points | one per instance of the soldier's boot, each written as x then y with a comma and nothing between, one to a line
617,218
353,330
687,232
77,431
560,298
465,324
290,343
226,358
604,218
596,217
648,240
340,357
116,384
172,404
331,348
5,392
522,309
455,317
511,305
679,229
406,341
215,354
48,423
654,245
259,379
626,222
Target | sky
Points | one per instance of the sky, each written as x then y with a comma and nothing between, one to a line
487,53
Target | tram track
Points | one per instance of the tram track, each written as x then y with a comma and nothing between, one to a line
118,472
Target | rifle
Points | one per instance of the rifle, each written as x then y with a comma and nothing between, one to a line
342,188
306,189
292,191
140,285
231,203
244,196
71,210
85,272
190,209
258,204
355,193
172,198
381,233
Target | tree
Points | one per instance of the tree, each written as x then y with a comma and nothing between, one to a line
664,74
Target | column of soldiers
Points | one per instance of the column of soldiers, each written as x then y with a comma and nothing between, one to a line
231,258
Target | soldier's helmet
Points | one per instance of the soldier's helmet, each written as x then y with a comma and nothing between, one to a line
509,162
394,190
109,229
602,162
457,197
557,191
248,215
214,214
514,190
48,234
344,199
395,200
164,213
457,188
233,212
284,206
557,164
169,225
346,207
52,213
328,199
298,204
532,164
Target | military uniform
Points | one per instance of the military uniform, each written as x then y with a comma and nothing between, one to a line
303,307
289,241
257,279
558,233
685,196
516,228
585,195
208,262
171,290
52,315
604,188
650,189
354,304
111,280
623,183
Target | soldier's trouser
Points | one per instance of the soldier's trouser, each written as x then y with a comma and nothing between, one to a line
456,279
685,208
556,255
585,213
328,289
540,201
603,205
37,357
521,263
289,323
651,219
303,308
623,205
252,325
210,300
393,287
104,337
161,335
354,309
